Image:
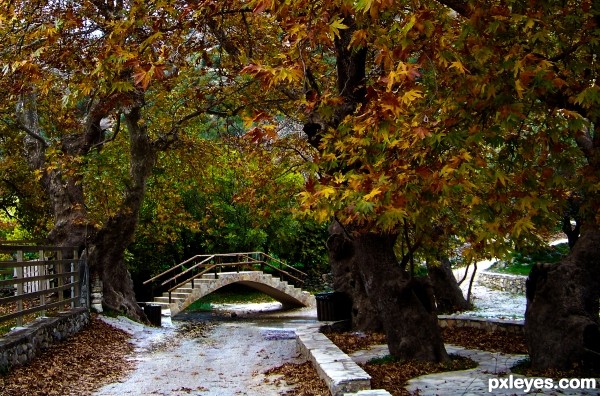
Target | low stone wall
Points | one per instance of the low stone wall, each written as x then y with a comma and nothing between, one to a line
20,346
491,325
504,282
320,283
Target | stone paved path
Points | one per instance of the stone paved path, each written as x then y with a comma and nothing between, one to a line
474,382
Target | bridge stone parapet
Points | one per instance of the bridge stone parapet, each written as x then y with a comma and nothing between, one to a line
182,297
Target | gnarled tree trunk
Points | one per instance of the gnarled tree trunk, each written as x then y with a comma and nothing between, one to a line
347,279
107,245
448,295
403,304
561,320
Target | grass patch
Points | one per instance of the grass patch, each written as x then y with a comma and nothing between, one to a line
230,294
199,306
520,263
6,328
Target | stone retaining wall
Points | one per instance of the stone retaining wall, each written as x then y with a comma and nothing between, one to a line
491,325
504,282
20,346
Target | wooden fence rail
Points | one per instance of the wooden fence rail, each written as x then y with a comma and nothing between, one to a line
35,279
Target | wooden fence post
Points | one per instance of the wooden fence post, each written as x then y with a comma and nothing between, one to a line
19,287
59,268
75,293
42,283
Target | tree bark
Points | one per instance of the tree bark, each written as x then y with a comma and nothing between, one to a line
106,246
111,241
448,295
562,327
404,305
347,279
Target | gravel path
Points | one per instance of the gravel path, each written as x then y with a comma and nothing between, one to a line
228,358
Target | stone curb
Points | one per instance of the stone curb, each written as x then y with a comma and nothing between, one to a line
488,324
341,374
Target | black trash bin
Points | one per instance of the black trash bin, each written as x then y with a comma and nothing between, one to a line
153,313
333,306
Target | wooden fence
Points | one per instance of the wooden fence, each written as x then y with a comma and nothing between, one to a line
36,280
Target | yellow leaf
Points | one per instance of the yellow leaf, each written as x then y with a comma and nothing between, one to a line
411,95
376,191
446,170
327,191
464,154
336,25
519,88
458,66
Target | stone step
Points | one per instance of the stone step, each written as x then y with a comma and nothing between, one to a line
162,304
177,294
166,300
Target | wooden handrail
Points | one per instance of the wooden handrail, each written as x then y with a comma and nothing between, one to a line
174,267
285,273
6,247
23,312
188,270
284,264
18,281
33,263
199,274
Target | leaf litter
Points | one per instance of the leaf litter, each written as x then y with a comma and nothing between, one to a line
77,366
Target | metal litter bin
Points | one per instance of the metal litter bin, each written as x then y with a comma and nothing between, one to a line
153,313
333,306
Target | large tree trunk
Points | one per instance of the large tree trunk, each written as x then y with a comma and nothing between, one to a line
65,191
347,279
561,320
107,256
448,295
404,305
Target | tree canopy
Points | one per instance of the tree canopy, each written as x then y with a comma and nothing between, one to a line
467,117
436,123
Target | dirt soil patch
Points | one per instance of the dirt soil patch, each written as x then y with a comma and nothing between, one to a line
462,336
94,356
480,339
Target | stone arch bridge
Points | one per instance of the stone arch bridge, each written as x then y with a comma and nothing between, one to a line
203,274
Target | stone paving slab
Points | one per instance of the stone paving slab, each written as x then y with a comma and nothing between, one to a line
473,382
370,392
